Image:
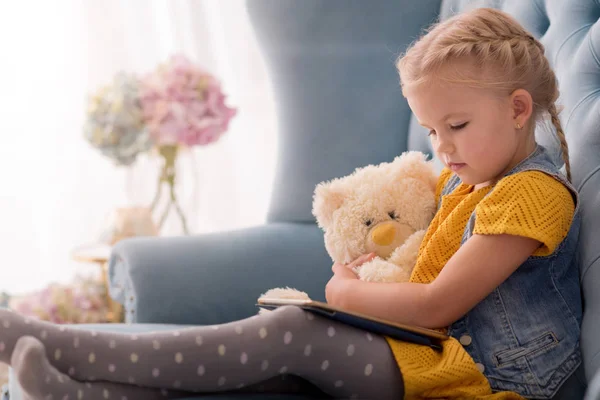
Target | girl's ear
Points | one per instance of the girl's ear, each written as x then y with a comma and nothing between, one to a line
328,197
521,104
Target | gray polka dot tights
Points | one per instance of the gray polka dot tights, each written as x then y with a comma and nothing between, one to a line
285,350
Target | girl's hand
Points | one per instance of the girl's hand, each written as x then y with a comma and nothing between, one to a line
335,292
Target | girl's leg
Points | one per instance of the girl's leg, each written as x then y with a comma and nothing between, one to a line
31,365
40,380
341,360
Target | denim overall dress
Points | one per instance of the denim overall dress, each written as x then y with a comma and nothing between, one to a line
524,336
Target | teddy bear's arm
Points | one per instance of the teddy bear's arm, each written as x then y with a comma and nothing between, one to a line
398,267
380,270
405,256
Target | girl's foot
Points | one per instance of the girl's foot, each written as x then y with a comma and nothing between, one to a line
40,380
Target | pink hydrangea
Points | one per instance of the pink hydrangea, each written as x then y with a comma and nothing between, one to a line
183,104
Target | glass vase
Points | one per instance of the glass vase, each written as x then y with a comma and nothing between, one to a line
166,187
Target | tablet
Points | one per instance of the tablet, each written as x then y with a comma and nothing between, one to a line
408,333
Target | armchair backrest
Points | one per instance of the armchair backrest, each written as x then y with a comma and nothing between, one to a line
340,106
336,88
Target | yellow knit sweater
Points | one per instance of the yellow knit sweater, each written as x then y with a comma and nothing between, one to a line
530,204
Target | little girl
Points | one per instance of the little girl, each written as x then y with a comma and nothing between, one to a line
495,271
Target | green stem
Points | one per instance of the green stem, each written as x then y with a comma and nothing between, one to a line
175,202
158,192
167,176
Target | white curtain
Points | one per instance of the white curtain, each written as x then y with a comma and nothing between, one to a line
56,190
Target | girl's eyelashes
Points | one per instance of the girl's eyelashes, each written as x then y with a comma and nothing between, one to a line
459,127
452,127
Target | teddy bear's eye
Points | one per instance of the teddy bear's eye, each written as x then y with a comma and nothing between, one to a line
368,222
392,214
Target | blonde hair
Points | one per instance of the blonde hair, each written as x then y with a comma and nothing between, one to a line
508,57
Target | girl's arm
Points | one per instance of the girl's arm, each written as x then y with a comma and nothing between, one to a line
474,271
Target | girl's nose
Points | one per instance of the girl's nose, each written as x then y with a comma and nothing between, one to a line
443,145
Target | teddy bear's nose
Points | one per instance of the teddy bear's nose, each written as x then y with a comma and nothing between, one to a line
383,235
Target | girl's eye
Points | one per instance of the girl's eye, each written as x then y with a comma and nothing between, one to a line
459,127
392,214
368,222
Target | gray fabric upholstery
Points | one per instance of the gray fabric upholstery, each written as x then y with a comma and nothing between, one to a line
336,88
216,278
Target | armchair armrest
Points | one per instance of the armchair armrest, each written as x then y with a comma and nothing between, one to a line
215,278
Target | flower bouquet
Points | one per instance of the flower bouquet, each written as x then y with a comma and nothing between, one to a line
178,105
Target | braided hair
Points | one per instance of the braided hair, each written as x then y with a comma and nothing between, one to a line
506,56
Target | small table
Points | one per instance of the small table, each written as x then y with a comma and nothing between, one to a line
99,254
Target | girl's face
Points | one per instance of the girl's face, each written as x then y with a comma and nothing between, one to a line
472,131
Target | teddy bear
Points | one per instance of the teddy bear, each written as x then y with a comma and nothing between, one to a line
383,209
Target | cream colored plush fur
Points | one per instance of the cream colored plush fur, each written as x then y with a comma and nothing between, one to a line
384,209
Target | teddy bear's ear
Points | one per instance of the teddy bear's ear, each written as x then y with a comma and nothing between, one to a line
414,164
328,197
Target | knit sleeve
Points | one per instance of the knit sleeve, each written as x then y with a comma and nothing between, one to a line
442,180
530,204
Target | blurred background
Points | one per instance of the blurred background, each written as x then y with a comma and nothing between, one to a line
63,194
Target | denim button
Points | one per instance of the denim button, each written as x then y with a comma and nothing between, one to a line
480,367
465,340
